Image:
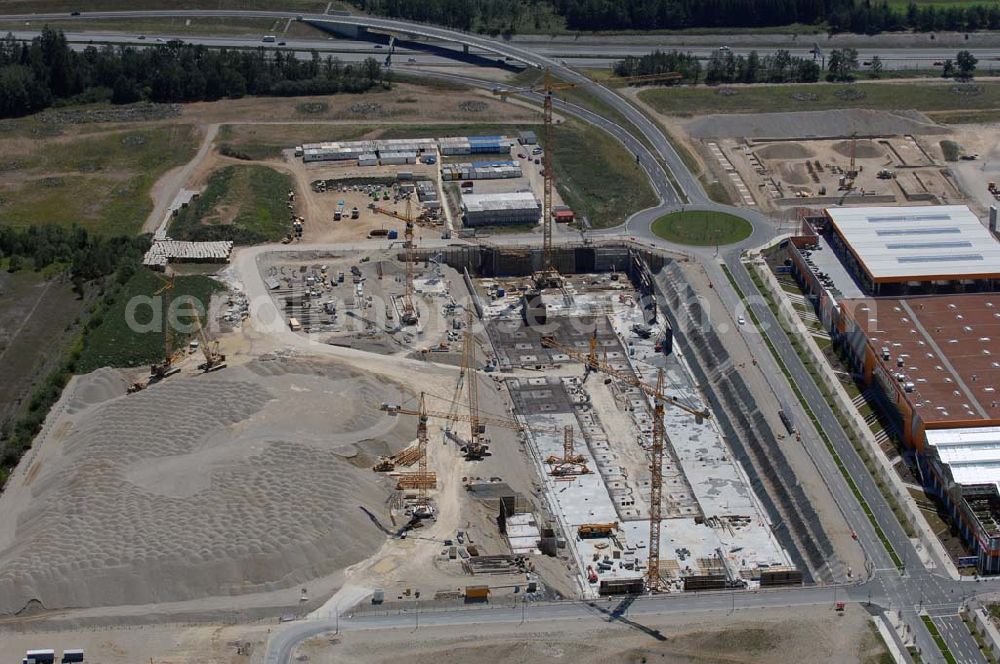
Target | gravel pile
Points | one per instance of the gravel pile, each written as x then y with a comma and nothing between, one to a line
252,479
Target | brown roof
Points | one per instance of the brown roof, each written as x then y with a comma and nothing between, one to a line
950,347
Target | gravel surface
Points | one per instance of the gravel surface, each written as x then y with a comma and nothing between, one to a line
811,124
251,479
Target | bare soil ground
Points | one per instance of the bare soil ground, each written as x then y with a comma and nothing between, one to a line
404,103
778,636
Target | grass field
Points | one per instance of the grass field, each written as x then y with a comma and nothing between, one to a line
113,343
597,176
246,204
31,308
101,181
701,228
824,96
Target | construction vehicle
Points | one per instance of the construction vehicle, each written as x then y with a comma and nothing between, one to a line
214,360
137,386
548,276
592,363
595,530
167,366
886,174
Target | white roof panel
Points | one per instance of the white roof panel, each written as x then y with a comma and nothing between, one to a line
972,453
941,242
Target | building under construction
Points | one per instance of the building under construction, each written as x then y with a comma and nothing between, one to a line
592,438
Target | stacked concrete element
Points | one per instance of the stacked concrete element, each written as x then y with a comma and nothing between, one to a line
167,251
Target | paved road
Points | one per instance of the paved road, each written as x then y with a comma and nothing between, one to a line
908,593
591,52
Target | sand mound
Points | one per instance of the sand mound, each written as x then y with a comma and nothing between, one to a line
784,151
212,485
793,173
97,387
865,149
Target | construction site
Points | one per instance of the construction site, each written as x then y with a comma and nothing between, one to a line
848,170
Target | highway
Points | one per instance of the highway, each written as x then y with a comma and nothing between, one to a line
908,593
587,52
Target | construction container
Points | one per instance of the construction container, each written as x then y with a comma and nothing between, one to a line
378,596
294,325
500,209
74,655
477,593
43,656
368,159
396,158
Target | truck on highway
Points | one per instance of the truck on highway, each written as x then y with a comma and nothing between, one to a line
269,39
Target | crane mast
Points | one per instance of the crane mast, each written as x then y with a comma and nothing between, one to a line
655,491
476,448
548,276
592,363
409,316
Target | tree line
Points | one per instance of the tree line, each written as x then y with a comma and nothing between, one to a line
780,67
44,71
723,67
108,262
861,16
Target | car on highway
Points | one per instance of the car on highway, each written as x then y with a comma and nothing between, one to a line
141,37
74,13
159,39
741,320
412,61
378,45
281,43
725,49
521,155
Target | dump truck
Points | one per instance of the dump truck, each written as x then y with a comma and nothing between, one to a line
294,325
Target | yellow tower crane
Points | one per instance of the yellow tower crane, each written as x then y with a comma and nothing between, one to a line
214,360
592,363
548,276
409,316
165,368
476,447
569,464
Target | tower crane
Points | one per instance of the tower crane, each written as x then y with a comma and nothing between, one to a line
569,464
409,316
422,480
214,360
165,368
660,399
476,447
548,276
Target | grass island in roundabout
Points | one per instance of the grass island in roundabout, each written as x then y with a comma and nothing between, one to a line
702,228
